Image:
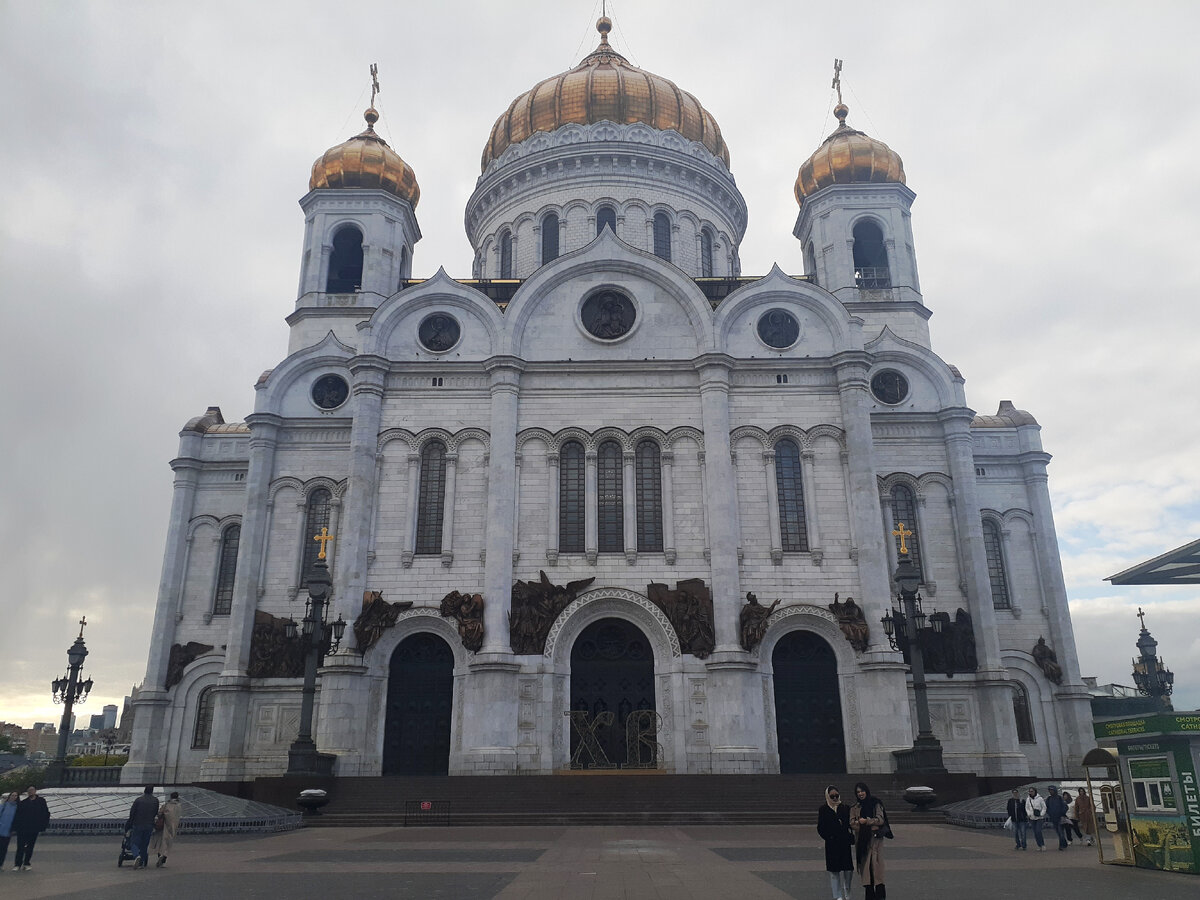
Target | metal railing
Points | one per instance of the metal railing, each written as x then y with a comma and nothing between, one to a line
90,776
872,277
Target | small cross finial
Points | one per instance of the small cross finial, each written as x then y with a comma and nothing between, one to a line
837,78
902,533
1142,617
374,81
324,538
82,624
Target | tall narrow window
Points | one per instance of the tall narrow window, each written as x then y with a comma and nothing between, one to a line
1021,711
571,498
403,267
506,255
648,462
549,238
995,564
810,262
431,498
706,254
202,732
316,517
610,502
904,509
662,236
226,569
870,257
790,482
606,217
345,262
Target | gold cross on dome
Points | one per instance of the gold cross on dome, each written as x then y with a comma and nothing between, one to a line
324,537
83,622
1142,618
375,89
837,78
902,533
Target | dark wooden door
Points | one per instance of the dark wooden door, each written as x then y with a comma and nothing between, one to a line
808,705
612,669
416,739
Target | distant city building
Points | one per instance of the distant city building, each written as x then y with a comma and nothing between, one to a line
96,723
110,716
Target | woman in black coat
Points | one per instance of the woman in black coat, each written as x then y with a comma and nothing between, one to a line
833,824
33,815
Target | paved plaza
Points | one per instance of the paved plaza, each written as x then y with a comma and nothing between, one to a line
930,862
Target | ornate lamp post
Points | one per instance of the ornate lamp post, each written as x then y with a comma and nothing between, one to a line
1150,673
303,758
907,625
68,691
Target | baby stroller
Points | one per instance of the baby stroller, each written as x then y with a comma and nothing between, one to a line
126,854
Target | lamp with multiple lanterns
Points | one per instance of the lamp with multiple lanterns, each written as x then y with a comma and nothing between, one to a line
68,691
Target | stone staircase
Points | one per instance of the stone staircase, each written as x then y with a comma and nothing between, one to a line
611,799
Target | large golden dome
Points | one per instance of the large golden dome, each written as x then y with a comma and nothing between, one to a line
848,157
604,87
366,161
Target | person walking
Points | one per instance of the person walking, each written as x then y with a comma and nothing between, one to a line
869,819
1085,815
1020,819
164,836
1035,811
1056,812
8,811
1071,822
833,825
142,814
33,815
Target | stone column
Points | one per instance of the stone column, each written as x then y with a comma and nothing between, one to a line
448,503
552,504
811,517
629,506
668,505
591,507
489,720
516,521
1001,754
409,543
844,459
772,485
226,753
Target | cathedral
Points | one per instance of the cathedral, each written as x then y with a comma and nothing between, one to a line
609,502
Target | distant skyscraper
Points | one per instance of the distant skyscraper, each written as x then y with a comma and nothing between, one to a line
96,722
110,716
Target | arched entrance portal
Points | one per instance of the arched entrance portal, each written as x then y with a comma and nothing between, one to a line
420,700
612,672
808,707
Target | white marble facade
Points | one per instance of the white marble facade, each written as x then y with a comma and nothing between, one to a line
691,374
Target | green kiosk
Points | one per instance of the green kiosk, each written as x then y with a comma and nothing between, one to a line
1159,757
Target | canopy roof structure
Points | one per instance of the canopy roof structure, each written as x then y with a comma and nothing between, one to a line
1178,566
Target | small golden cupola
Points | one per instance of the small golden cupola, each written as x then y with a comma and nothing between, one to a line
848,156
366,161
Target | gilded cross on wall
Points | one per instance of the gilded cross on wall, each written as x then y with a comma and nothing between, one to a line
902,533
324,537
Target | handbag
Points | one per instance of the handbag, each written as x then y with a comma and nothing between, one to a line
886,830
160,822
1008,824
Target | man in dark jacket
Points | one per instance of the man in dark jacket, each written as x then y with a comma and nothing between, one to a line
141,822
1020,820
1056,812
33,815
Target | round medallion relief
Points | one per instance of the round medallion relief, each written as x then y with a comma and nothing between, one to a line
608,315
330,391
778,328
438,332
889,386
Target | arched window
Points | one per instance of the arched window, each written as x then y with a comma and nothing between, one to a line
549,238
648,468
345,262
506,255
316,517
790,483
706,254
226,569
870,257
606,217
995,564
570,498
431,498
610,501
662,236
904,509
202,732
1023,716
810,262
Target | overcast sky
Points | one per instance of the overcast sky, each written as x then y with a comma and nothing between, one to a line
150,238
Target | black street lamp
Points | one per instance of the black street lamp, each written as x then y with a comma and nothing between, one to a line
303,758
907,625
68,691
1150,673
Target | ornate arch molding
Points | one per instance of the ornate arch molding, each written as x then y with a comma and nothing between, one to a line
200,673
328,353
336,488
410,622
1017,515
200,521
682,433
612,434
616,603
817,432
805,617
572,434
889,347
534,434
939,478
648,433
394,434
912,482
471,434
748,431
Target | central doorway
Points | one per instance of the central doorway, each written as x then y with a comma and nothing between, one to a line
612,671
420,700
808,705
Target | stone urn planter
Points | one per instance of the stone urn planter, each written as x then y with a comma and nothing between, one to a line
311,801
920,796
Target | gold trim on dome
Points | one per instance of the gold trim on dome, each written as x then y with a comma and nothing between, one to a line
366,161
848,157
604,87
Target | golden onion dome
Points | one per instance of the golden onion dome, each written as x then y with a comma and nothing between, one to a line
604,87
848,157
366,161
